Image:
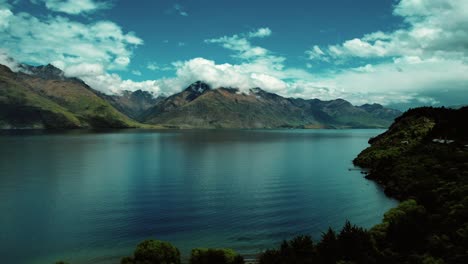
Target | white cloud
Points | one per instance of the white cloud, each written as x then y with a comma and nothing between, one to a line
137,73
112,83
5,16
153,66
428,54
177,9
86,51
241,44
315,53
435,28
224,75
260,33
74,7
4,4
57,39
404,77
82,70
6,60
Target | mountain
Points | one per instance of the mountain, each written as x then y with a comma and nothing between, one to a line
133,104
42,97
200,106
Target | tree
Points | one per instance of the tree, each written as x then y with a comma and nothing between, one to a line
299,250
355,244
215,256
327,248
154,252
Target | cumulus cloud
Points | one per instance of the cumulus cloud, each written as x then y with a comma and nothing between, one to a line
153,66
74,7
225,75
86,51
435,28
82,70
70,45
112,83
316,53
260,33
5,16
242,45
177,9
5,4
427,54
404,78
32,40
6,60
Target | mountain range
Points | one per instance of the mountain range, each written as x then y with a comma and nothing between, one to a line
43,97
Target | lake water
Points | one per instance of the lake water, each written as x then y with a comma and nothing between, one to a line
91,197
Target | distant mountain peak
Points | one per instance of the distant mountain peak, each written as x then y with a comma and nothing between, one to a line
47,72
371,107
198,87
138,94
258,91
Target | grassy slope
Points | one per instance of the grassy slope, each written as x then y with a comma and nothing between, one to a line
21,108
79,99
29,102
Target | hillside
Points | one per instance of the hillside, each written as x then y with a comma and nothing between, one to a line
42,97
424,157
200,106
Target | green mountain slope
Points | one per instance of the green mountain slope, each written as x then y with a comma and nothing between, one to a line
44,98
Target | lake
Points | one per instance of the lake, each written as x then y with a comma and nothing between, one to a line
88,197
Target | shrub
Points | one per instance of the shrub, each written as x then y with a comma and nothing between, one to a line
215,256
153,252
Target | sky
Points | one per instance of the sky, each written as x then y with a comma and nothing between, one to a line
400,53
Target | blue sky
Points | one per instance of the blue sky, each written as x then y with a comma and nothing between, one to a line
399,53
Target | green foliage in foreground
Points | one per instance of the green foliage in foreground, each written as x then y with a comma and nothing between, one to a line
394,241
352,245
215,256
153,252
159,252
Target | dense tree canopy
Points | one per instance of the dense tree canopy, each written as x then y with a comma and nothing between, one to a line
154,252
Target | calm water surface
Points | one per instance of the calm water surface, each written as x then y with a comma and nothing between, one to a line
91,197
